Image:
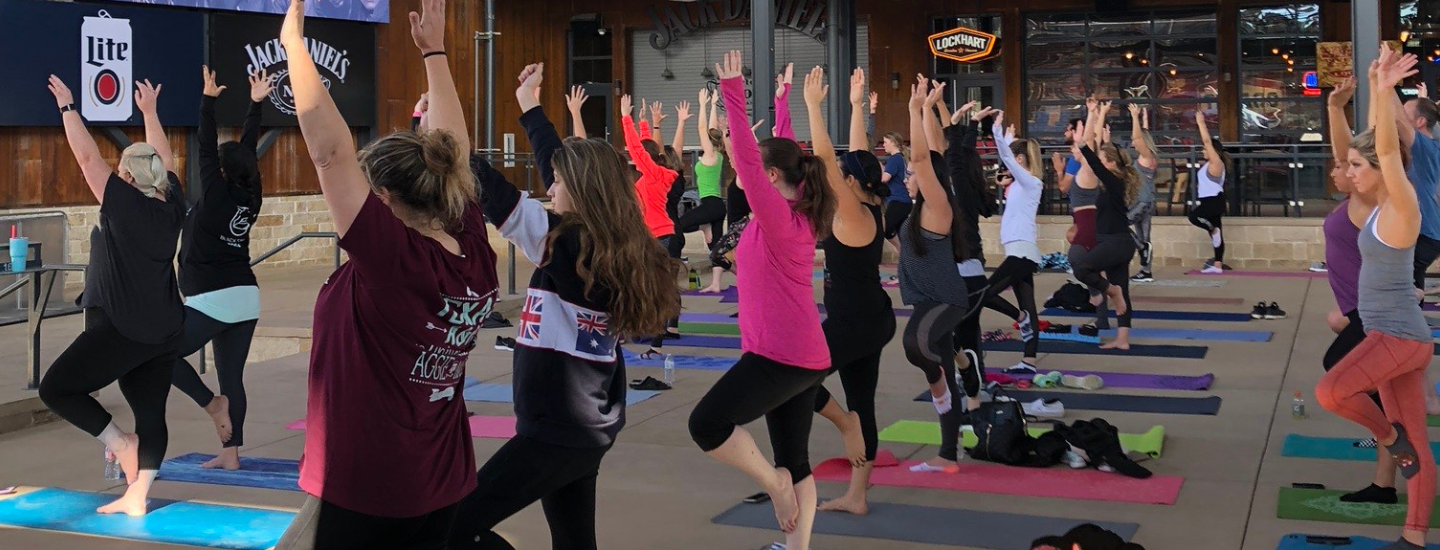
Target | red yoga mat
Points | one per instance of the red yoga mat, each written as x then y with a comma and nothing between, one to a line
488,427
1057,482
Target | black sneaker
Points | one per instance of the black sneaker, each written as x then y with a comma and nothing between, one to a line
1143,277
503,343
1259,311
1274,311
1089,330
1372,494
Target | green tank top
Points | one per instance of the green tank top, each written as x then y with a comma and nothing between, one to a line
707,178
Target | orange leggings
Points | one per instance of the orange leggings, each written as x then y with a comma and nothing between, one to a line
1395,367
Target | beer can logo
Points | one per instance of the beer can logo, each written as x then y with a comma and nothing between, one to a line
106,58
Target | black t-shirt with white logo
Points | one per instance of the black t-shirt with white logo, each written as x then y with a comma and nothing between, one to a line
132,262
215,248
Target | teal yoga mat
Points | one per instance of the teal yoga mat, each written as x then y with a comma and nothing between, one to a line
260,473
1333,448
169,521
505,393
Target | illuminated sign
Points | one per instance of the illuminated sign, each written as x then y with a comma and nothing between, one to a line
1312,84
963,45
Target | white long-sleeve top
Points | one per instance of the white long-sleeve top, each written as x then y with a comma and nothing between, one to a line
1022,198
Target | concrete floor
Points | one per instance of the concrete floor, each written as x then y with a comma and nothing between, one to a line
657,491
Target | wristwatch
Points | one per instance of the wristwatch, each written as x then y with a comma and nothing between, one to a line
67,108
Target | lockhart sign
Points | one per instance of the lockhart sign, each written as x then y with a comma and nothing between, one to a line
674,20
963,45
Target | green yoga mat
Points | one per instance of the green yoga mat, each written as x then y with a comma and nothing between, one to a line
1432,421
928,433
1325,505
712,329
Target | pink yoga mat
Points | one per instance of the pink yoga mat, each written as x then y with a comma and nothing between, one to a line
1057,482
1239,273
488,427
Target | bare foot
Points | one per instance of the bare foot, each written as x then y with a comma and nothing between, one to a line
228,459
714,288
848,504
1116,344
128,504
1117,300
854,440
128,456
219,409
782,496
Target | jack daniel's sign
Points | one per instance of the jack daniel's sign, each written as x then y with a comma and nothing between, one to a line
674,19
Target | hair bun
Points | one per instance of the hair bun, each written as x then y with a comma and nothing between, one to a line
438,150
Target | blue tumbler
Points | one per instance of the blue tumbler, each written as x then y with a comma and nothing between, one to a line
19,253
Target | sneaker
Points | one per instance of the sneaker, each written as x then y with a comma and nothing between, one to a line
1143,277
1048,380
1105,468
1373,494
1021,368
1274,311
1367,443
1075,460
1088,382
504,343
1318,267
1041,408
1090,330
1258,312
1027,329
1212,269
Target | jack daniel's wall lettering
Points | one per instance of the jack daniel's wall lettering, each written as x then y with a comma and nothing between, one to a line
344,53
674,20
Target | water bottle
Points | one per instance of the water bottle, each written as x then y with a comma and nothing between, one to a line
1297,407
669,370
112,466
694,279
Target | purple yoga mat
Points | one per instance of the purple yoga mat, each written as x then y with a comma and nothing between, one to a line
729,292
1142,381
1430,306
1239,273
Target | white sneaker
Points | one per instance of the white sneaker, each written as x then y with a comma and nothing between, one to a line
1318,267
1041,409
1089,382
1212,270
1075,461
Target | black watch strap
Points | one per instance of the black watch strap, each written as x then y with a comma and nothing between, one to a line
67,108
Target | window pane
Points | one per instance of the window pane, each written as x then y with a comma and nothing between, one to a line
595,71
1054,26
1180,117
1120,54
1278,52
1189,23
1120,25
1121,85
1051,119
591,44
1288,19
1272,84
1056,87
1059,56
1293,115
1186,85
1182,53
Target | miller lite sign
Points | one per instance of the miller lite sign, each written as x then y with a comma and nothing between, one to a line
106,79
963,45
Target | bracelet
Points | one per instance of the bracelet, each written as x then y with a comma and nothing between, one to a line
434,53
67,108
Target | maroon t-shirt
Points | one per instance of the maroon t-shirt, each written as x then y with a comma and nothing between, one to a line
386,422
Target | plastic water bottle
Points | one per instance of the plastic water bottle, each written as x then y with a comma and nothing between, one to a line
694,279
669,370
112,466
1297,407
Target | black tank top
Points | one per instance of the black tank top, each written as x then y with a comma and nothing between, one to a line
852,275
736,208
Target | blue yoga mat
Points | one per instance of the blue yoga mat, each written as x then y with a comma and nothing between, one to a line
505,393
170,522
696,362
705,341
1333,448
1153,315
1076,348
260,473
1298,542
708,318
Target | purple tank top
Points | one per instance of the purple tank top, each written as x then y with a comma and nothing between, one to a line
1342,256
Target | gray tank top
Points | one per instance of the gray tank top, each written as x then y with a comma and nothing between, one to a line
932,277
1387,287
1081,197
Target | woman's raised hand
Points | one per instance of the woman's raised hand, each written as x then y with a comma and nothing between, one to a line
211,89
917,95
576,98
146,96
292,31
428,26
261,84
729,67
61,92
815,87
682,111
627,107
857,87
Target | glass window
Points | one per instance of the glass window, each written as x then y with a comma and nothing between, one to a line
1297,116
1057,56
1054,26
1120,85
1186,85
1185,23
1183,53
591,71
1277,60
1056,87
1174,119
1281,20
1120,25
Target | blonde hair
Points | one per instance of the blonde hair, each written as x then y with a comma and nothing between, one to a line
424,171
147,169
1364,143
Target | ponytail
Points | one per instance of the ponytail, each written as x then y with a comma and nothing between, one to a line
1034,163
146,167
425,173
808,175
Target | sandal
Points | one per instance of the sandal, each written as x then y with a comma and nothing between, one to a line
649,384
652,354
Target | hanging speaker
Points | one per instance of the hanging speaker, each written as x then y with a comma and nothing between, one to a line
1111,6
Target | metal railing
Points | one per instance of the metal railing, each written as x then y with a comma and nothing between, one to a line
292,240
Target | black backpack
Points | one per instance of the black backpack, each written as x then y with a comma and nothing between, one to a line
1001,430
1071,297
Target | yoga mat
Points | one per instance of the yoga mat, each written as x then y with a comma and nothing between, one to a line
928,433
1325,505
1122,403
169,521
703,341
708,318
1281,274
259,473
924,524
714,329
980,477
1182,283
1297,542
727,291
505,393
488,427
1141,381
730,327
1189,300
1169,351
1333,448
1153,315
697,362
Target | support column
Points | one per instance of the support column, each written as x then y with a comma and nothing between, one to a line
762,43
840,44
1365,36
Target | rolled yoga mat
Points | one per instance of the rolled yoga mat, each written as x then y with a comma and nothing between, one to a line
696,362
1154,315
1299,542
1334,448
981,477
924,524
505,393
168,521
1325,505
260,473
1076,348
1112,402
928,433
1280,274
1141,381
485,427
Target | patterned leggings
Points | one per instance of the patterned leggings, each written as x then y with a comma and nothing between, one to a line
723,253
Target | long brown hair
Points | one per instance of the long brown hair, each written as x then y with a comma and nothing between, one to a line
808,174
425,172
1127,170
616,249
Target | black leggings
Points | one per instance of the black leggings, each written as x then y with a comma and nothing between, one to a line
321,525
724,245
668,243
1077,256
711,212
757,386
895,214
232,345
1208,215
855,349
523,471
1426,250
1349,337
967,333
1110,259
929,345
99,356
1017,274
